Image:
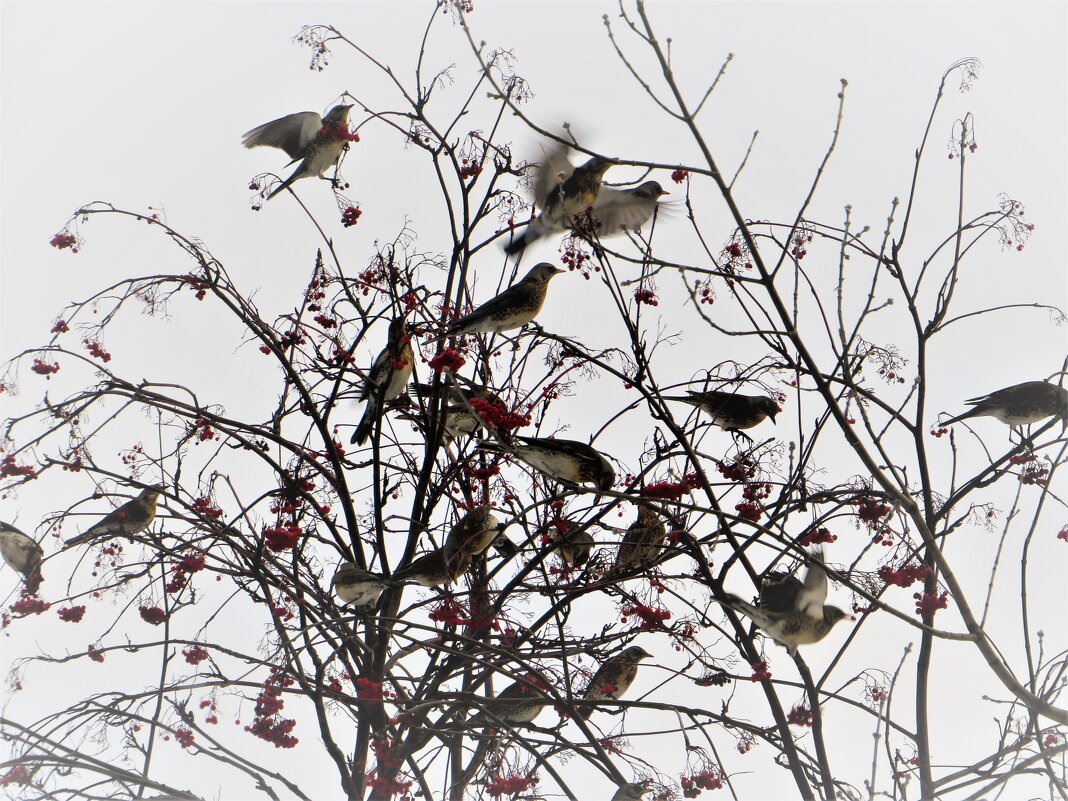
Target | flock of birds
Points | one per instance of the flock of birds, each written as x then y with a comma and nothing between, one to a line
791,610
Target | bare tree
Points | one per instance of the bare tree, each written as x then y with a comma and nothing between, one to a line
443,691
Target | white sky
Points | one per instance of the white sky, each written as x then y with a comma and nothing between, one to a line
143,104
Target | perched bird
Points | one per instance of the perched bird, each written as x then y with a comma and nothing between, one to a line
354,585
563,193
317,142
387,377
632,791
1019,405
513,308
519,702
22,554
619,210
574,546
613,678
562,459
130,518
434,568
473,534
791,611
460,416
731,411
642,543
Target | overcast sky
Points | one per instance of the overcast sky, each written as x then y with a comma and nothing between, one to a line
143,104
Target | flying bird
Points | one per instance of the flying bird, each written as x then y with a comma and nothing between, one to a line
792,611
513,308
22,554
362,588
632,791
131,518
518,703
642,543
563,193
1019,405
613,678
561,459
387,377
619,210
316,142
731,411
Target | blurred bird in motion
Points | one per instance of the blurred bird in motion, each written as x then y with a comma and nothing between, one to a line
387,377
317,142
131,518
561,459
613,678
731,411
792,611
23,555
513,308
359,587
563,193
1019,405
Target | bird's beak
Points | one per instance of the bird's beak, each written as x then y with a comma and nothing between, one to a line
662,193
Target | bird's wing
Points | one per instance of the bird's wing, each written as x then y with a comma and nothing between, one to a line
779,593
513,296
814,589
554,169
291,133
619,210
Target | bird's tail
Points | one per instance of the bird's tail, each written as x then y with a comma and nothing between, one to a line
516,245
367,423
285,184
959,417
83,537
683,399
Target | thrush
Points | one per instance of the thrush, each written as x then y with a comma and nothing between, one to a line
619,210
563,193
520,702
791,611
562,459
22,554
131,518
317,142
434,568
642,543
613,678
473,534
1019,405
632,791
513,308
731,411
460,416
574,547
354,585
387,377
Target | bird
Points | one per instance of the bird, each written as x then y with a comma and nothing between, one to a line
519,702
642,543
460,417
362,588
132,517
731,411
613,678
473,534
513,308
387,378
619,210
317,142
631,791
22,554
791,611
434,568
563,193
562,459
574,546
1019,405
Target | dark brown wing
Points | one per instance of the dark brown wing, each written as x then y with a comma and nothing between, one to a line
779,593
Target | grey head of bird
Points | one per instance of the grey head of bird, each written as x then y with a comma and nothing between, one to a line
768,406
650,189
338,115
542,273
833,614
